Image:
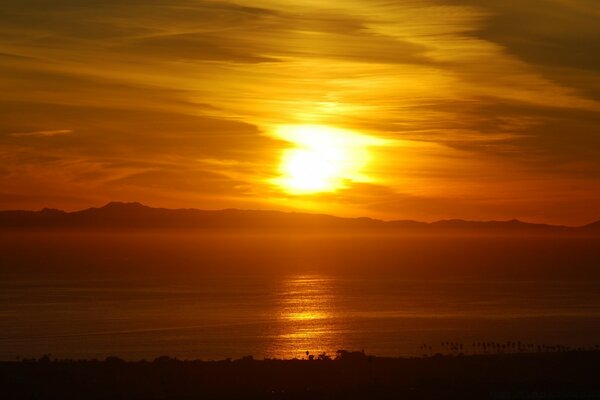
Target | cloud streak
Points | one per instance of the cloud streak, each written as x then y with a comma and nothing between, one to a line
47,133
480,97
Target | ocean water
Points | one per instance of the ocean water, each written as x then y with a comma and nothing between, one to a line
91,297
285,317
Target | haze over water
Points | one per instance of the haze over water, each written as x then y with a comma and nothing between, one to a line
211,298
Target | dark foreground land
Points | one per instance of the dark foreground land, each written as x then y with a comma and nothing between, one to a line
560,375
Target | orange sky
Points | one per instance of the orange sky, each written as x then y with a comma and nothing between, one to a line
451,108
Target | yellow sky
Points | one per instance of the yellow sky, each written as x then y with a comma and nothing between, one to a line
466,109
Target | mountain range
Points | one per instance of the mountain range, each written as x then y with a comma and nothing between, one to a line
118,215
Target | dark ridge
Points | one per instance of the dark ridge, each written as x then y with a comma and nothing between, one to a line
593,225
513,224
117,215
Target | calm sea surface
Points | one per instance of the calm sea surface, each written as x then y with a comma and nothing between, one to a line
216,318
191,296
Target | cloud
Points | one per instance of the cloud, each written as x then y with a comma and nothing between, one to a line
47,133
553,33
558,37
474,93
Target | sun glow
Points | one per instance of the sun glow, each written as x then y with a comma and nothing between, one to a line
324,159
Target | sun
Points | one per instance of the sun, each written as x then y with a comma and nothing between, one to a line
323,159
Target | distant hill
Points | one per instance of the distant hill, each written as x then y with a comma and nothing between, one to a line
592,226
118,215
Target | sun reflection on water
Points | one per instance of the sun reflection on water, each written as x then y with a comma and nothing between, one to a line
306,319
306,315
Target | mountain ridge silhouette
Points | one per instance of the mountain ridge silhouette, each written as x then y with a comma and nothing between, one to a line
137,215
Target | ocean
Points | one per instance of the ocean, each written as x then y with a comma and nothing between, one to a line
140,297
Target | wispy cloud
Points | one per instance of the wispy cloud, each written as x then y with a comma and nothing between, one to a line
484,95
47,133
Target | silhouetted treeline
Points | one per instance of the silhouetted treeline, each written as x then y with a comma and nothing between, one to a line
349,375
494,347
